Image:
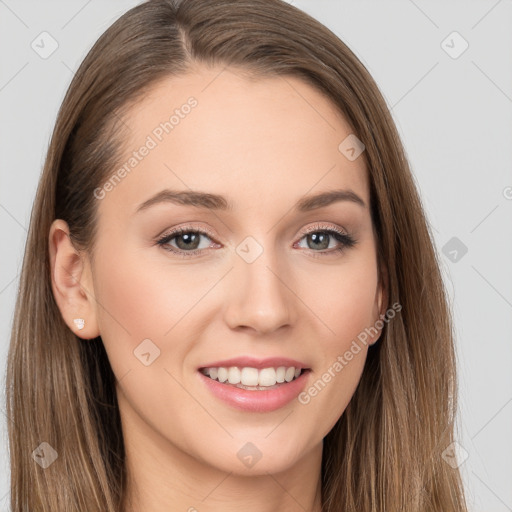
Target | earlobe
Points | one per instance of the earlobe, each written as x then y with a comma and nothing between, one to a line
71,282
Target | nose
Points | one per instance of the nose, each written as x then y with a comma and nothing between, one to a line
258,296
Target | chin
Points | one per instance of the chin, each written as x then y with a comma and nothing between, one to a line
256,456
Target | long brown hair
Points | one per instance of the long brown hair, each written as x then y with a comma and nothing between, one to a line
385,452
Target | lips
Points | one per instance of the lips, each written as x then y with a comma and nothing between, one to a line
259,401
255,385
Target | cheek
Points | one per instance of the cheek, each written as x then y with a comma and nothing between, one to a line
344,300
140,298
345,303
141,295
131,301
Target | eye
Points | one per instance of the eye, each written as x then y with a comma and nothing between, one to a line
187,240
320,237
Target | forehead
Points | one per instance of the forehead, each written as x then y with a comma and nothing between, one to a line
218,130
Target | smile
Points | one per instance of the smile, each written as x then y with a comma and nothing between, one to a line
255,390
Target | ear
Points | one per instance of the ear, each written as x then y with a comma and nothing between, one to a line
381,302
71,281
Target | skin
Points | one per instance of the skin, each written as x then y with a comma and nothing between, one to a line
263,144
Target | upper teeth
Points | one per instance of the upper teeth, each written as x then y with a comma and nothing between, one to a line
252,376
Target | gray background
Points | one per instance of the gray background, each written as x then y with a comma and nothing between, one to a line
455,118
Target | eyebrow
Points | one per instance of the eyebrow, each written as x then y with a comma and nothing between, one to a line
217,202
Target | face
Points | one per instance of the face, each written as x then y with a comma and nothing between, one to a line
254,273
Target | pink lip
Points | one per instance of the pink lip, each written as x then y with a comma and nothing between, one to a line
254,400
251,362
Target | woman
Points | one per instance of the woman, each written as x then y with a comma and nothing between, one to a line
230,297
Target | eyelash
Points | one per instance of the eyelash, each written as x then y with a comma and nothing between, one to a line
346,240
